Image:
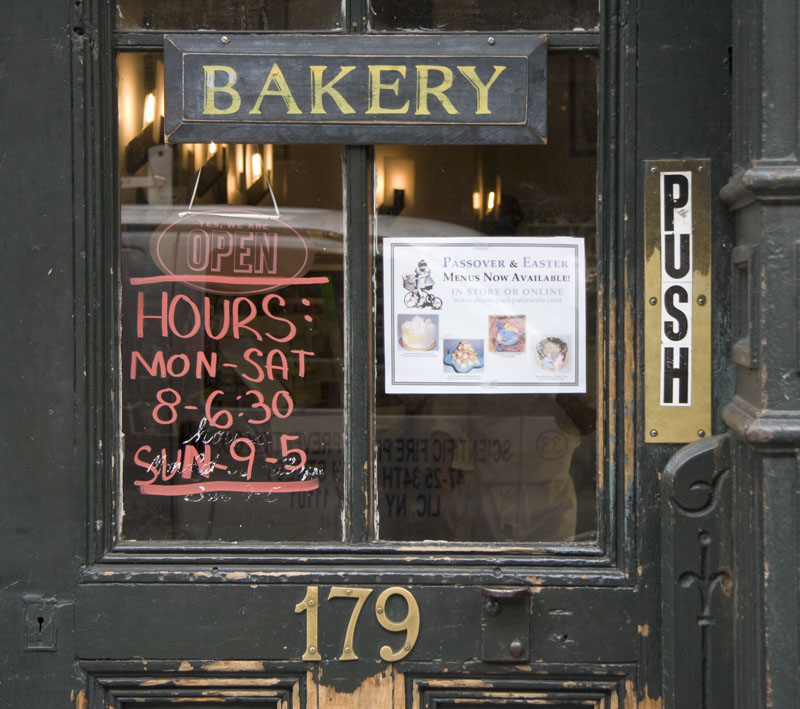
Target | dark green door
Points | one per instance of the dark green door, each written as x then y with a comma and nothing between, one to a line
229,490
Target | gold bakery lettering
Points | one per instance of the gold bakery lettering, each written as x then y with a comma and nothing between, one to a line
382,85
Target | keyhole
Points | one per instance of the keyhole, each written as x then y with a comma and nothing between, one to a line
41,622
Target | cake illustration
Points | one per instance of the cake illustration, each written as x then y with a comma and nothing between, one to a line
418,333
551,353
507,334
464,355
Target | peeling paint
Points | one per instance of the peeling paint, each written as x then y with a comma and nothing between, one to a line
236,575
218,682
385,689
644,630
644,702
185,667
461,683
80,700
600,363
463,548
224,696
629,395
233,666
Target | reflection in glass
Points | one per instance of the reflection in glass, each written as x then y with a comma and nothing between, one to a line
483,15
265,15
232,425
509,467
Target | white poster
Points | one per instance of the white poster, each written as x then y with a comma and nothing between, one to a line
484,315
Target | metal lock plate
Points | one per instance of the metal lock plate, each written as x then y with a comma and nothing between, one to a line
505,624
40,624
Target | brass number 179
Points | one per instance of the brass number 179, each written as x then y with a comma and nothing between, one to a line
410,624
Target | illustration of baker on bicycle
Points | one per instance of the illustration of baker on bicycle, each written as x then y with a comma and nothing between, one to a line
418,285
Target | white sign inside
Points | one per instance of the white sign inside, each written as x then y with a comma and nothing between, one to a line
484,315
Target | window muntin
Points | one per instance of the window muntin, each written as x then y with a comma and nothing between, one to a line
483,15
256,15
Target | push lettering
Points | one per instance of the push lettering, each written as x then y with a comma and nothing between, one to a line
676,288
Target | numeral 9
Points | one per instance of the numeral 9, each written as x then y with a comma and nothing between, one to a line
409,624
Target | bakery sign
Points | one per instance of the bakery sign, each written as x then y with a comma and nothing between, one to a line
355,89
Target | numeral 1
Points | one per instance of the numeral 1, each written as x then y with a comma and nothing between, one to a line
310,606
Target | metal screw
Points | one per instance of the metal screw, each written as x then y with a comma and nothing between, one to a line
701,433
700,168
347,592
491,40
312,649
225,39
408,647
653,301
701,300
379,609
515,649
311,603
653,169
653,433
491,606
347,649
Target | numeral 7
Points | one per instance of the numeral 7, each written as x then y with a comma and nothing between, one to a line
361,595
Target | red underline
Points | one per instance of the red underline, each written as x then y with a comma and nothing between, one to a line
225,486
232,280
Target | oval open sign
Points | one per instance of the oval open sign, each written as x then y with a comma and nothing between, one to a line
231,253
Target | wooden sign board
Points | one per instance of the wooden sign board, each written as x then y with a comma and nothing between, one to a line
476,89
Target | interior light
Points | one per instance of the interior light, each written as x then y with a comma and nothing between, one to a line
380,183
398,175
490,202
240,158
269,159
149,114
476,201
212,148
257,166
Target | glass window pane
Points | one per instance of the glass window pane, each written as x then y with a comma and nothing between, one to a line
483,15
493,467
243,15
231,332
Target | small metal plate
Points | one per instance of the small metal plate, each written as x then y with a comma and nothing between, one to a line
40,624
677,291
505,624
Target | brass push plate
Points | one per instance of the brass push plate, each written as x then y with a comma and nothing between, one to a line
677,291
